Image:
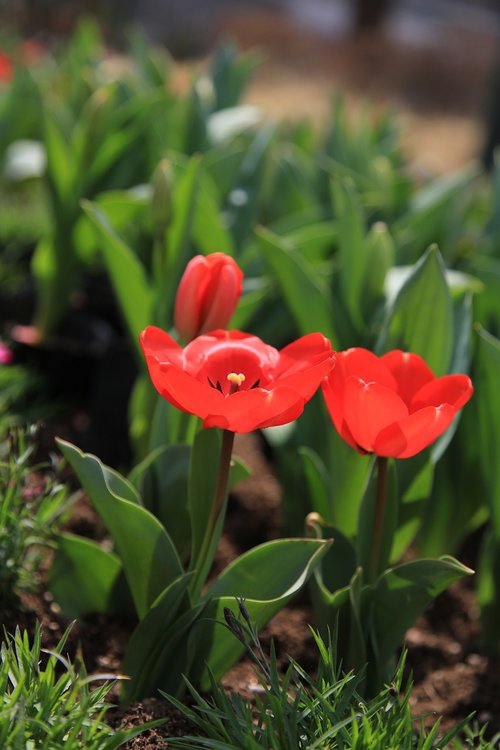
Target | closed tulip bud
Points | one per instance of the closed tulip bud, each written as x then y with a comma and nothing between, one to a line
207,295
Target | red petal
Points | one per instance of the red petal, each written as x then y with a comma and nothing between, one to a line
249,410
307,381
298,354
188,301
410,372
159,344
455,390
368,408
415,432
352,362
187,393
335,406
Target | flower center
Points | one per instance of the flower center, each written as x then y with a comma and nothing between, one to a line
236,379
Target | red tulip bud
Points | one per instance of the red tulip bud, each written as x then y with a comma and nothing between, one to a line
207,295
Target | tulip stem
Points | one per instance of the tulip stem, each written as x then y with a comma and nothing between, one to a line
208,546
378,526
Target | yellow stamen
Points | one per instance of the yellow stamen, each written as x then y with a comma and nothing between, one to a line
236,378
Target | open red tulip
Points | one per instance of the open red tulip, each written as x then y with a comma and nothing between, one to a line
234,380
207,295
392,405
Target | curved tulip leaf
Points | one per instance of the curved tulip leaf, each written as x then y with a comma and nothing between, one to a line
148,555
85,579
146,647
420,319
291,562
128,277
401,594
318,482
298,282
352,249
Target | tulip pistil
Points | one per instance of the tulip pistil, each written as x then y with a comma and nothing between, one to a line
236,378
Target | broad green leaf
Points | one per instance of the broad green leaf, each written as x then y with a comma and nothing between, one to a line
488,591
338,565
420,320
148,556
148,640
291,561
128,277
352,249
209,229
180,232
60,163
379,258
163,480
487,403
350,472
304,291
318,482
401,594
85,579
429,210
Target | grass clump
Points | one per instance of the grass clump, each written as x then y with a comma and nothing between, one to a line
32,504
48,703
295,711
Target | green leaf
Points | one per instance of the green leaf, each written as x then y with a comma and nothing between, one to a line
420,320
146,646
264,594
128,277
85,579
318,482
180,232
60,164
148,556
304,291
352,249
350,472
488,591
401,594
209,229
487,403
163,481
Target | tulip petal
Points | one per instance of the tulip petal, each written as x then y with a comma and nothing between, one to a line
450,389
222,295
159,344
307,381
410,435
249,410
368,408
410,372
186,392
296,356
334,404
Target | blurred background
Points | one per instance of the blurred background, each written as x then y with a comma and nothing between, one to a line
436,61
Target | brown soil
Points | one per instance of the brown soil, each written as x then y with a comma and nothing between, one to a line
451,678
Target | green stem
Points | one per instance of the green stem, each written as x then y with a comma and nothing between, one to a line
378,526
207,547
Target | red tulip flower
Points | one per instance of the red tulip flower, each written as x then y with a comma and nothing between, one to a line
6,69
234,380
392,405
207,295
